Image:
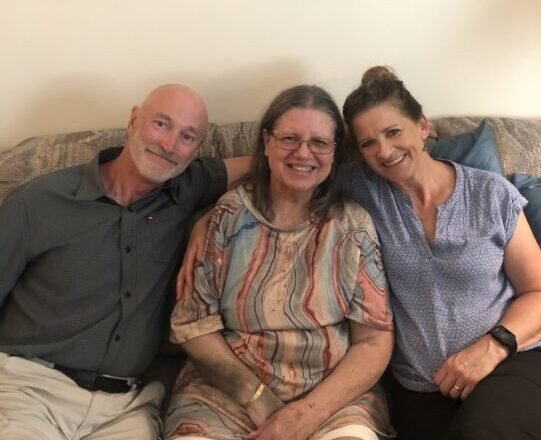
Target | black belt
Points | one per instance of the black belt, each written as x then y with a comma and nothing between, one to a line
96,382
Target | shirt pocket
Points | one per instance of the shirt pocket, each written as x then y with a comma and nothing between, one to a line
167,236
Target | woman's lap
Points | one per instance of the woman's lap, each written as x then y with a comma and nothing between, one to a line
198,409
504,405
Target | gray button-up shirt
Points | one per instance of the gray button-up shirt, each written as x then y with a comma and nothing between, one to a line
83,280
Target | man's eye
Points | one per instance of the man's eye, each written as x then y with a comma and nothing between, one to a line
394,132
160,124
187,138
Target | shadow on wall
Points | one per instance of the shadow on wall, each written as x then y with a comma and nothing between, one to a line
70,103
244,93
83,102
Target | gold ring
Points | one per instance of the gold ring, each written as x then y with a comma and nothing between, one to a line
457,388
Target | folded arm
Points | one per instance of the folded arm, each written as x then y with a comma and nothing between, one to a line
361,367
220,367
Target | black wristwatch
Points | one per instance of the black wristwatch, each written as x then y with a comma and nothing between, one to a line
505,337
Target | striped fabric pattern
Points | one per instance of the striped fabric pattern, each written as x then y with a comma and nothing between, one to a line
283,298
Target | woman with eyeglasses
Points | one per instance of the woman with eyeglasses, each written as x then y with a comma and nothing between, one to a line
288,327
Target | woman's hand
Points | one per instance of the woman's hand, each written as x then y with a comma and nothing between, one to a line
295,421
193,255
461,372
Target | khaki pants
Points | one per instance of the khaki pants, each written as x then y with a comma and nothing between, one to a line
41,403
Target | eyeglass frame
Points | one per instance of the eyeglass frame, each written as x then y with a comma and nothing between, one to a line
300,141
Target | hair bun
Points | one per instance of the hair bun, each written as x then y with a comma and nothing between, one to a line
377,73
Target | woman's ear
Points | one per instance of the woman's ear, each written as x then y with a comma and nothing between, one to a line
266,138
425,127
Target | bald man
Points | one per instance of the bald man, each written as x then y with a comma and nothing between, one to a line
87,255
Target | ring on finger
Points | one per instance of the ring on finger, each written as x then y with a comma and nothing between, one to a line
457,388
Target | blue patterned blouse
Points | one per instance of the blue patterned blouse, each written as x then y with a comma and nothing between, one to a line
445,295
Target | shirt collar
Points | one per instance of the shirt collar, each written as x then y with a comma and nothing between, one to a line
91,187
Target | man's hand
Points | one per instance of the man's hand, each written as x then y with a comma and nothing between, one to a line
461,372
193,255
295,421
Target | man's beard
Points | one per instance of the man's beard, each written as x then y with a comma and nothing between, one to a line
147,168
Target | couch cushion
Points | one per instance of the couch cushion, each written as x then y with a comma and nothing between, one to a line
236,139
530,188
518,140
474,149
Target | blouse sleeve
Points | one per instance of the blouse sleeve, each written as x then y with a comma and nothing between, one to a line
196,313
370,304
514,202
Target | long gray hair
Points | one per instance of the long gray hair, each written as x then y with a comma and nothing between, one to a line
328,198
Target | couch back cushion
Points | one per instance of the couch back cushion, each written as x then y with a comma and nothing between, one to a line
518,143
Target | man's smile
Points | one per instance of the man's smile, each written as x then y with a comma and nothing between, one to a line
168,159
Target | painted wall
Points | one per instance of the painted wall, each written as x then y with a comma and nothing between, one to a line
73,64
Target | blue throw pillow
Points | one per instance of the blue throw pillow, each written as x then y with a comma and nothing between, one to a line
474,149
530,188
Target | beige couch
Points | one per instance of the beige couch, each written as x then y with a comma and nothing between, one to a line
518,143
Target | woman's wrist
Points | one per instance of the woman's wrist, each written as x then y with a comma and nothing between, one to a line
257,394
266,404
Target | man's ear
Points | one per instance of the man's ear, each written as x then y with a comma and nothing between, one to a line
133,118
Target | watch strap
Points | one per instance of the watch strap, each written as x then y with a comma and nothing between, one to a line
505,337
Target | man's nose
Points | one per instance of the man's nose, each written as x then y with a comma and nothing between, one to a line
168,141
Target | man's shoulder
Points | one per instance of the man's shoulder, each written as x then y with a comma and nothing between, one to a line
63,181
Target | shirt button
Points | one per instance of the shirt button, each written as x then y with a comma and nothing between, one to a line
127,249
127,294
117,338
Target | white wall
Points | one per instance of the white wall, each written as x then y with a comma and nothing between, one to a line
73,64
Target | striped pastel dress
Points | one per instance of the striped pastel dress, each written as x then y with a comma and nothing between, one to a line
282,300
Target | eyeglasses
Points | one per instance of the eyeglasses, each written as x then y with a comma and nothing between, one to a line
316,145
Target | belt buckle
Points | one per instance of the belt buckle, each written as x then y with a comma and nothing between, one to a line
97,383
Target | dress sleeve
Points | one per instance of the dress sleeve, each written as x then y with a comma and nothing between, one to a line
14,237
197,313
370,304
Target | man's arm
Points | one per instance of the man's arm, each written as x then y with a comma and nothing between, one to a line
238,169
13,243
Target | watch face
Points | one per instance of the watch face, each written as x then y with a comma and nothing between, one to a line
505,337
500,332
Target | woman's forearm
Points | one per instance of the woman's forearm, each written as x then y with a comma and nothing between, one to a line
220,367
523,318
361,367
